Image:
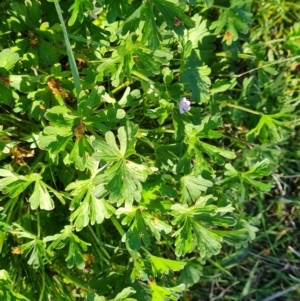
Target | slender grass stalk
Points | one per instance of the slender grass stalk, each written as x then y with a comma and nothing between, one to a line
267,65
243,109
70,278
38,223
38,162
11,208
41,298
99,244
72,62
282,293
117,225
133,253
124,85
217,265
2,238
55,289
247,287
264,224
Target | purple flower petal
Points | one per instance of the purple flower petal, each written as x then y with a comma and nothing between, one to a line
184,105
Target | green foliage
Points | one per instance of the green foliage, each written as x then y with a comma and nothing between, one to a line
8,59
161,265
35,249
6,288
13,185
66,236
110,189
270,128
120,176
195,148
4,227
236,18
191,221
87,207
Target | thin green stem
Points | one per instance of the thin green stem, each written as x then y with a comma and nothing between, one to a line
264,224
38,223
55,290
11,209
8,203
18,281
121,87
133,253
243,109
52,177
142,76
2,238
220,6
99,244
240,55
147,141
159,129
41,298
237,140
117,225
10,118
267,65
38,161
73,280
146,159
73,65
275,41
217,265
42,71
91,130
282,293
144,249
94,234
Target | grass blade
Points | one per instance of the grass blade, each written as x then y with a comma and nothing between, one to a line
72,62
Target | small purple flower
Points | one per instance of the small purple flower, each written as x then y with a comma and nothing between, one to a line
184,105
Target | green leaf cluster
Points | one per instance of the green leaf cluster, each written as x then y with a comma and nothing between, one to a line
109,191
